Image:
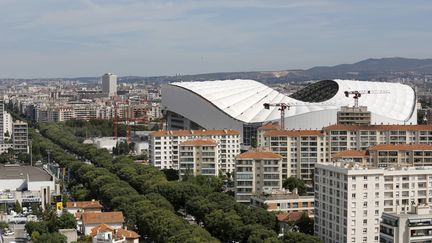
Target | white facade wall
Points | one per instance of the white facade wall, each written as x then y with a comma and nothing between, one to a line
197,109
7,123
86,228
349,201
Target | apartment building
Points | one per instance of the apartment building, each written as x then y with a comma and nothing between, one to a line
341,137
164,147
284,201
199,157
387,155
20,136
300,149
407,227
350,198
354,115
257,172
261,140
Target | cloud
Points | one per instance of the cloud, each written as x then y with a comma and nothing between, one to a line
189,36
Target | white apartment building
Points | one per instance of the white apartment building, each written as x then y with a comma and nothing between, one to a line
2,111
300,149
350,198
164,147
257,172
7,124
407,227
109,84
199,157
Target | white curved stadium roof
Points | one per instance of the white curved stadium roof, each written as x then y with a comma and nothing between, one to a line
243,99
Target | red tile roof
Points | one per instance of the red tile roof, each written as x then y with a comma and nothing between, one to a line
269,126
292,216
119,233
199,142
100,228
128,234
83,204
294,133
102,218
258,155
194,132
401,147
350,154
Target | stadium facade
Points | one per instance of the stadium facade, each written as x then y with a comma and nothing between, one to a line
238,104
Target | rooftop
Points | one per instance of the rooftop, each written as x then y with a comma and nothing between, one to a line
269,126
354,127
102,218
401,147
11,172
194,132
199,142
84,204
350,154
258,155
294,133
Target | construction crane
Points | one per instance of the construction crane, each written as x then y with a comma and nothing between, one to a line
358,93
286,106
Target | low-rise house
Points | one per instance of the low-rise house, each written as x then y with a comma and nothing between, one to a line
83,206
284,201
105,234
90,220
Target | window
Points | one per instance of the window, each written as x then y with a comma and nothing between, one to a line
365,186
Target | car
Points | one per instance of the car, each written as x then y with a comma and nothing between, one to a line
8,233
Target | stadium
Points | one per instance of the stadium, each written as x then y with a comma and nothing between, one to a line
238,104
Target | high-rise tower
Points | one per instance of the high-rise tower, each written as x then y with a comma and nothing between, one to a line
109,84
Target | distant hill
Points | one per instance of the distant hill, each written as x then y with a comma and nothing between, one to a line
382,69
372,68
369,69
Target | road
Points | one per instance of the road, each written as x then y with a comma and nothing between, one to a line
19,236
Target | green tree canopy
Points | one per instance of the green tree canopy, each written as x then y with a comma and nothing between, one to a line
297,237
293,182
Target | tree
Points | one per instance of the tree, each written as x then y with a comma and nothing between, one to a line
171,174
3,225
224,225
40,227
51,238
297,237
67,221
293,182
305,224
17,207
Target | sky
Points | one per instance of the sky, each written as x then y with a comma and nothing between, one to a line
77,38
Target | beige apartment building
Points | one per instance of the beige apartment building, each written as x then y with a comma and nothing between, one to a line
386,155
300,151
257,172
198,157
